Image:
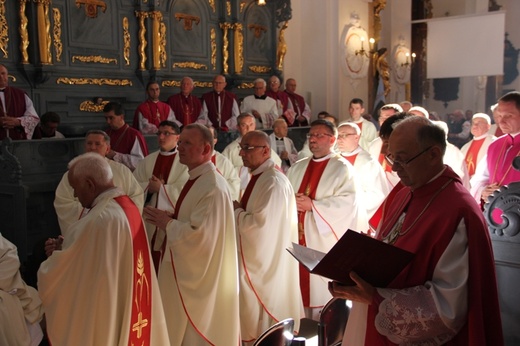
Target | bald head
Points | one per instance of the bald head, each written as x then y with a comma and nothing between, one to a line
255,149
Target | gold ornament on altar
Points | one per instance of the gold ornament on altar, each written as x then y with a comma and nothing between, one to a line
91,7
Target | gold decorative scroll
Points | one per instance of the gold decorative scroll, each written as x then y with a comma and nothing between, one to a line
156,38
56,33
4,28
126,41
89,106
379,6
11,77
239,48
257,29
142,39
213,39
212,5
24,35
190,64
94,81
91,7
228,7
162,45
188,20
242,6
94,58
225,46
246,86
173,83
44,25
260,69
281,49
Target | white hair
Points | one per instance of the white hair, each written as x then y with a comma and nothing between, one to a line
482,116
421,110
260,80
352,125
91,165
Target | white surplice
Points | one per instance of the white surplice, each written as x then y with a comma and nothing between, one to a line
226,168
269,284
69,209
87,287
199,272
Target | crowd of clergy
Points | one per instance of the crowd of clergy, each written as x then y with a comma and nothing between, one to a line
187,245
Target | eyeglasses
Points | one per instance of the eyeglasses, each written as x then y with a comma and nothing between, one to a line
392,162
250,147
165,133
318,135
345,135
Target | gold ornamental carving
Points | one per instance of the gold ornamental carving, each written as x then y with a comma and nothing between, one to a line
212,5
239,48
157,18
242,6
260,69
94,59
281,49
188,20
126,41
56,33
225,46
91,7
4,29
190,64
142,39
257,29
44,26
379,6
213,40
89,106
94,81
228,7
246,86
198,84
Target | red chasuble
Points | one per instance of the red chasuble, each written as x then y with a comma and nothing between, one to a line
299,106
15,107
308,187
141,319
155,112
186,109
472,155
279,96
122,140
226,105
427,236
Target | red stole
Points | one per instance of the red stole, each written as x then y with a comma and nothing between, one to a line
498,132
163,166
122,140
141,318
351,158
279,96
15,107
186,109
155,112
428,237
384,164
500,156
249,189
360,125
472,155
226,106
214,161
375,220
308,187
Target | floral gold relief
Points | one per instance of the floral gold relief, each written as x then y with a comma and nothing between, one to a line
198,84
260,69
4,29
89,106
239,48
246,86
142,39
213,39
190,64
93,81
95,59
225,46
126,41
56,33
212,5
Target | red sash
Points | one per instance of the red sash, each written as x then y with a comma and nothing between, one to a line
249,189
350,159
308,187
141,319
472,155
163,166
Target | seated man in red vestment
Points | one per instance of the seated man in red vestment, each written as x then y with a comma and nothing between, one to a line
185,105
447,294
151,112
127,144
302,116
219,107
18,118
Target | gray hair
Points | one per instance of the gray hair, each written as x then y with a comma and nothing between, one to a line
91,165
260,80
106,137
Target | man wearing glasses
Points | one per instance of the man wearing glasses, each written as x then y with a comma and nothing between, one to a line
447,294
162,177
327,205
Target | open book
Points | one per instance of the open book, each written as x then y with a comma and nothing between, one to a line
374,261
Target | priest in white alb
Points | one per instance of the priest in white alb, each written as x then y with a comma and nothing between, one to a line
100,288
328,204
266,223
67,206
198,275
